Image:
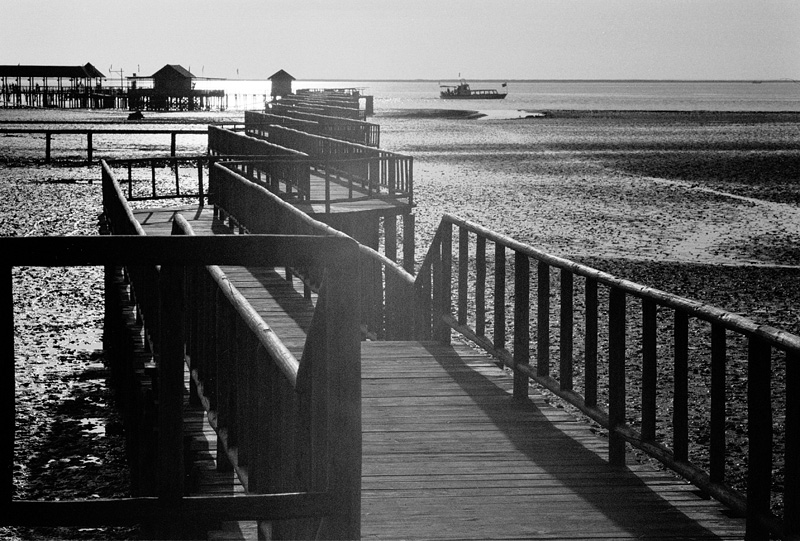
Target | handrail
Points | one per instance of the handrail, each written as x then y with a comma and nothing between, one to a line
386,170
170,254
90,132
386,288
288,364
318,463
158,187
346,129
444,275
365,172
323,108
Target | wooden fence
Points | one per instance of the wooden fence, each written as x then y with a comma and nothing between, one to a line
618,353
50,132
355,131
179,298
381,172
385,314
320,108
365,172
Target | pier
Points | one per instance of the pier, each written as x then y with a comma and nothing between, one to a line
287,369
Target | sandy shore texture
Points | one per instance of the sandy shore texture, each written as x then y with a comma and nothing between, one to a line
625,191
705,205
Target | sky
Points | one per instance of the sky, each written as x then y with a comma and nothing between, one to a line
412,39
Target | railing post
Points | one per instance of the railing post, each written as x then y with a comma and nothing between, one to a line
48,136
543,319
649,369
89,149
442,285
480,286
616,375
680,398
392,182
172,144
566,336
759,438
171,385
522,329
590,344
463,276
499,339
408,243
343,378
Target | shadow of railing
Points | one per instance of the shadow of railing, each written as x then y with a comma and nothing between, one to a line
669,327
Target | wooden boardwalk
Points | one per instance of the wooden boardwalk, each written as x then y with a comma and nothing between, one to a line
340,191
449,454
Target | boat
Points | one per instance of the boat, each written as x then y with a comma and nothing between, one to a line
462,91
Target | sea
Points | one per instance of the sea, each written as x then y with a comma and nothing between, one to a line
772,96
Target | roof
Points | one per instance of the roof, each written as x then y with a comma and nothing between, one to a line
281,75
174,68
92,71
81,72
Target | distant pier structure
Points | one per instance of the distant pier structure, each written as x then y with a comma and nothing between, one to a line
281,84
69,87
171,88
326,101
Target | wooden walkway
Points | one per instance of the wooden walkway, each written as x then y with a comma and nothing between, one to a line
449,454
339,191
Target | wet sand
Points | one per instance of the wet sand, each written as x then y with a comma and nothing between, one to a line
658,197
701,188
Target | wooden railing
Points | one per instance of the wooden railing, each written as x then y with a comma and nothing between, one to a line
320,108
90,132
222,141
355,131
385,288
257,124
383,171
169,178
336,368
365,172
290,428
351,101
675,348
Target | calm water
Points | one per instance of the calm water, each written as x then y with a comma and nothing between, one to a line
550,95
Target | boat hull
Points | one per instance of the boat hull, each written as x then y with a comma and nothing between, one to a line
484,97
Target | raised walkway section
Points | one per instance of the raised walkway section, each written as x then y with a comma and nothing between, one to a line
449,454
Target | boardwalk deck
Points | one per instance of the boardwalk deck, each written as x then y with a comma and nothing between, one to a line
340,191
449,454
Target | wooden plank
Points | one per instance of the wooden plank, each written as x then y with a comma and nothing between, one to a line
449,454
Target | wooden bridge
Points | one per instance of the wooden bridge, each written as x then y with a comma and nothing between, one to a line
279,378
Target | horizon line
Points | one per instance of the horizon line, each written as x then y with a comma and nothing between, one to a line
494,79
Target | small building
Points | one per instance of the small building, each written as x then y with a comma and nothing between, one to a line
172,80
281,84
171,88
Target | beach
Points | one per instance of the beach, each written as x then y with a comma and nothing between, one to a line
626,191
704,205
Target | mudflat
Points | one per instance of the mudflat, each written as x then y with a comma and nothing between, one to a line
702,204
